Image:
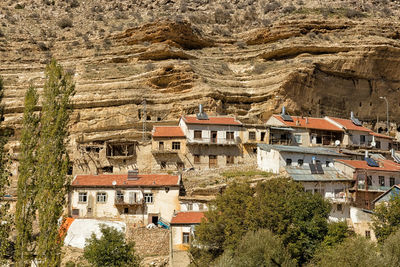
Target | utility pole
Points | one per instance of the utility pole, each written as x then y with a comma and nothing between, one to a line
387,112
144,137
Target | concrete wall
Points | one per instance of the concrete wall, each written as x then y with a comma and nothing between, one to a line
193,206
268,161
361,222
164,204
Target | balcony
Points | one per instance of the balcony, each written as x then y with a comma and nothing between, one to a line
120,202
373,188
212,141
165,151
340,197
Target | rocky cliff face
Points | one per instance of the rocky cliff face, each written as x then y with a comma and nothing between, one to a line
245,58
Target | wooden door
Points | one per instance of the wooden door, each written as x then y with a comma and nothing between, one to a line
212,161
213,136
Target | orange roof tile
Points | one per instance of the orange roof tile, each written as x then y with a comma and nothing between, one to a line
349,125
381,135
313,123
168,131
106,180
212,120
189,217
387,165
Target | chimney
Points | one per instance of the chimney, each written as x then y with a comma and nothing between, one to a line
201,108
306,120
313,160
201,115
283,110
393,152
351,115
366,154
133,174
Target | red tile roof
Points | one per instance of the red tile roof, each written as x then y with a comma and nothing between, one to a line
168,131
313,123
106,180
212,120
387,165
349,125
381,135
189,217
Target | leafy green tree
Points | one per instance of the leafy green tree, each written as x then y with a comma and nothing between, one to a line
110,249
391,250
53,161
386,218
352,252
337,233
5,215
27,181
261,248
280,205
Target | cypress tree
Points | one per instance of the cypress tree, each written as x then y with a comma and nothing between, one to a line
5,217
53,161
26,209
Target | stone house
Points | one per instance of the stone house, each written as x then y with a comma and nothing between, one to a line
141,199
211,142
327,181
168,147
183,227
372,178
274,158
250,136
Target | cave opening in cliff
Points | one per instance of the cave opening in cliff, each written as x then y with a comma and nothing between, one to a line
120,149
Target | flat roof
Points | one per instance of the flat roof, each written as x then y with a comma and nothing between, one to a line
302,150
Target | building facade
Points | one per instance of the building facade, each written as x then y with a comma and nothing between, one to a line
183,227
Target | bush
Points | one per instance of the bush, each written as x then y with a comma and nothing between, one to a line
110,249
65,23
352,13
271,7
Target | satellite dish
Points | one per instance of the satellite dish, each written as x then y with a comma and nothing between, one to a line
114,183
337,142
373,143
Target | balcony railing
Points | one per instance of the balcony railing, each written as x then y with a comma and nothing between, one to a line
340,197
164,151
119,201
211,141
373,187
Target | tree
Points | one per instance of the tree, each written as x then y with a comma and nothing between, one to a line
391,250
53,161
337,233
386,218
261,248
110,249
27,181
356,251
5,216
280,205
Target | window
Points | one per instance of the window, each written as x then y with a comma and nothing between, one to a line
381,180
297,138
320,191
254,150
101,197
262,136
369,180
185,238
392,181
378,144
288,162
163,165
126,210
197,135
201,206
327,163
160,145
252,135
120,196
190,206
180,166
148,197
367,234
176,145
229,135
230,160
300,162
362,139
75,212
82,197
196,159
212,159
339,207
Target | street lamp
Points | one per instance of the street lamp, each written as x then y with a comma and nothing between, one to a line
387,112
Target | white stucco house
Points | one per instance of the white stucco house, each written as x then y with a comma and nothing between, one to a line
183,227
141,199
